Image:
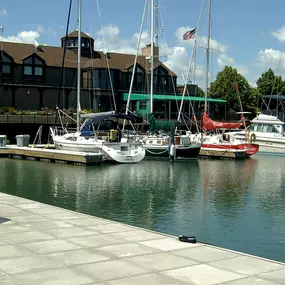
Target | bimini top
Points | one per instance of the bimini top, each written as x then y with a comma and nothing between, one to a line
268,119
118,117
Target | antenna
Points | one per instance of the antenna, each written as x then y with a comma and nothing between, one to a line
158,25
2,40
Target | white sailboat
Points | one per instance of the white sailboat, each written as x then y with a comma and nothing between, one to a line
160,145
109,144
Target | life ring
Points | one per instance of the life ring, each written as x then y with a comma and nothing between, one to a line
252,138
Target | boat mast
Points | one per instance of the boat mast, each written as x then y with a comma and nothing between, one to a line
78,66
152,54
207,56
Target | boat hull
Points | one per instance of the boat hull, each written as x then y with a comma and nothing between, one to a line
250,149
191,151
267,145
112,152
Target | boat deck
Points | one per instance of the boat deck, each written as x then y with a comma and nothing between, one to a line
42,244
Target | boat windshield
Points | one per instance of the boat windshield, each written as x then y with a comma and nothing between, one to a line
266,128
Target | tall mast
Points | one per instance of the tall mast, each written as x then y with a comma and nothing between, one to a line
207,55
157,27
78,65
152,54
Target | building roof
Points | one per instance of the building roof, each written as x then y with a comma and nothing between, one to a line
50,54
53,57
136,96
122,62
74,34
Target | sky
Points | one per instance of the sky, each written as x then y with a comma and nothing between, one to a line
246,34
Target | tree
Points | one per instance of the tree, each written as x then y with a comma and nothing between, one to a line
269,83
224,87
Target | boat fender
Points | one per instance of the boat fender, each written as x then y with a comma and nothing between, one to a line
252,138
172,150
187,239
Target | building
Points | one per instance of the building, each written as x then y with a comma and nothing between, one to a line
31,76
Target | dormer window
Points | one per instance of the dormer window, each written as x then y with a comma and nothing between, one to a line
5,64
138,83
34,68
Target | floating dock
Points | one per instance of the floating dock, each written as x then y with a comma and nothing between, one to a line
51,155
43,244
222,153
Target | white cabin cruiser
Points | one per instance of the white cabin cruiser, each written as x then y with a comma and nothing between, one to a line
267,131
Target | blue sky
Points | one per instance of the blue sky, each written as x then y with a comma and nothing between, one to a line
249,34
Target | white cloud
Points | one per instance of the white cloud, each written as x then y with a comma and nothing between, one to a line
178,62
270,58
40,29
215,46
48,30
223,60
3,12
29,37
280,34
109,40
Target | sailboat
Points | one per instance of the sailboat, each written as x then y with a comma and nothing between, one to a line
221,142
110,144
161,144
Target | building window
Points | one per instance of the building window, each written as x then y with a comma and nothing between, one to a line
142,105
138,84
161,80
96,78
101,79
28,70
5,65
34,68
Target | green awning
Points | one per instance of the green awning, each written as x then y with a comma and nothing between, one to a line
137,97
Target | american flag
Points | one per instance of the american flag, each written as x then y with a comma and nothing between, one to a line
189,35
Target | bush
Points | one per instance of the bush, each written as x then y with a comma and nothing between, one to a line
46,111
6,110
12,111
69,111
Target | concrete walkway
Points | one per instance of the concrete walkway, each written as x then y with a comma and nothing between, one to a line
46,245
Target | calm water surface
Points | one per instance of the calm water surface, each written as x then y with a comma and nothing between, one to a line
234,204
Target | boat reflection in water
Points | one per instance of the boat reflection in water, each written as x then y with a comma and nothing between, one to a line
233,204
244,205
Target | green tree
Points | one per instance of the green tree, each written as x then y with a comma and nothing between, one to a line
224,87
200,92
269,83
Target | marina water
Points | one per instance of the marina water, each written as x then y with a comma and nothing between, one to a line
238,205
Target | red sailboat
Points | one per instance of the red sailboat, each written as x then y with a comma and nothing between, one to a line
225,142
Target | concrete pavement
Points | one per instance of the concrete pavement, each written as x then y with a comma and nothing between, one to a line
43,244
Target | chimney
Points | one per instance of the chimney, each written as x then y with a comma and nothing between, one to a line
146,51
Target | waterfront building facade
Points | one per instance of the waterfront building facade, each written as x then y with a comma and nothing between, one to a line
31,76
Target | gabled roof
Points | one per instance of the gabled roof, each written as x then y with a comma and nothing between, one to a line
53,57
29,55
74,34
122,62
50,54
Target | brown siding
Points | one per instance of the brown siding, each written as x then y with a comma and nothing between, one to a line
5,97
23,100
50,98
